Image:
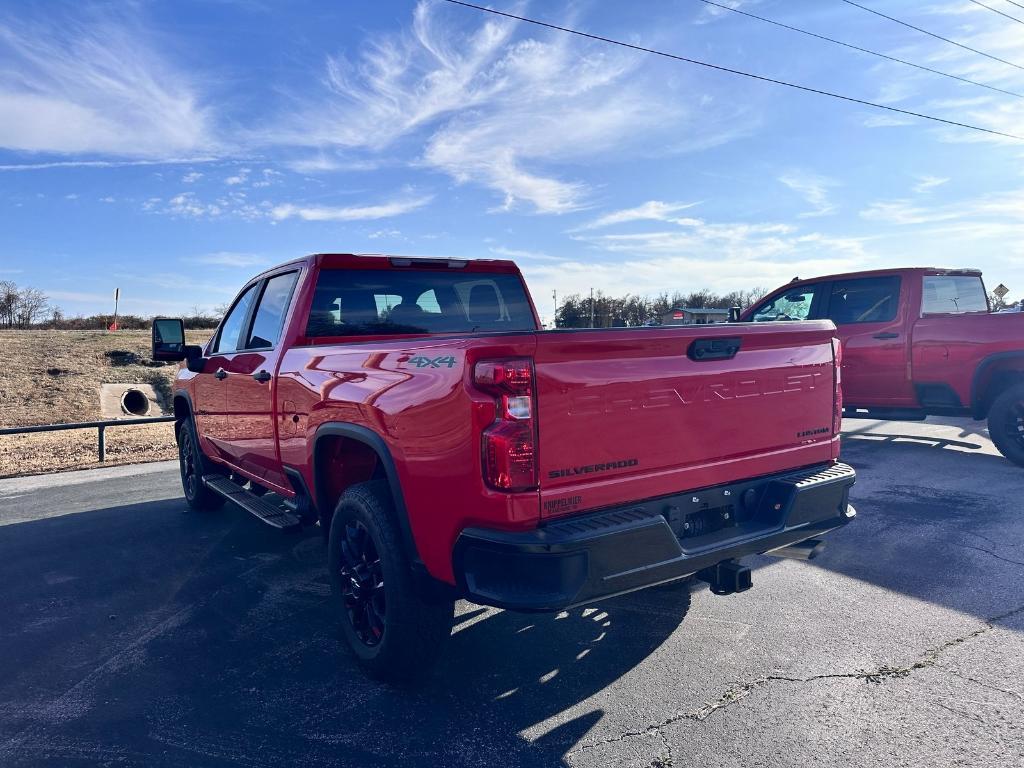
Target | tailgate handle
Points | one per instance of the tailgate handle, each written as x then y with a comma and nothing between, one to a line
714,349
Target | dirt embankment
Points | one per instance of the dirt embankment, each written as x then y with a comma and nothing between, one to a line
54,377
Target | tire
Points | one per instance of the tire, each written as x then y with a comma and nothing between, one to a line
193,465
1006,424
395,635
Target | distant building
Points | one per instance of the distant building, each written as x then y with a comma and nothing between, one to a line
694,316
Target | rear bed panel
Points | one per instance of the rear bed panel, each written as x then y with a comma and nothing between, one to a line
626,415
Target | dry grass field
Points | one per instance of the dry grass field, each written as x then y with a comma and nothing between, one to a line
52,377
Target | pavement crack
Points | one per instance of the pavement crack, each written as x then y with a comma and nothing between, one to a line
992,554
982,684
740,691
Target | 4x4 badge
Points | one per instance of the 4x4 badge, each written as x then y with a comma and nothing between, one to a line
426,362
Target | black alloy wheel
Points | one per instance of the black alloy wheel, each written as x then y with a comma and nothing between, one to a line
187,461
362,584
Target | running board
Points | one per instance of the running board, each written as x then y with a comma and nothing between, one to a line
269,513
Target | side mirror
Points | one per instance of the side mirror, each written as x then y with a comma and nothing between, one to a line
734,314
169,341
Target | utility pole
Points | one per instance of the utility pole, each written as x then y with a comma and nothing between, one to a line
554,298
591,307
117,297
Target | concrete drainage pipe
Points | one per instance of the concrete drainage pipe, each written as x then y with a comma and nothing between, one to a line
135,403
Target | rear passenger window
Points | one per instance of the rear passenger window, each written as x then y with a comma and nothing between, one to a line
266,326
396,301
953,294
866,300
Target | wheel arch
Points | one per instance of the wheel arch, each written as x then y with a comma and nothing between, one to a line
993,375
367,440
182,406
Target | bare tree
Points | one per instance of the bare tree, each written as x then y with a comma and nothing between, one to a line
31,307
8,303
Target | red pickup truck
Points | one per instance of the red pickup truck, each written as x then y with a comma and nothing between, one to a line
449,448
917,342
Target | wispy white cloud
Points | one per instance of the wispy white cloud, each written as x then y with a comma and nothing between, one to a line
75,87
710,13
680,253
652,210
886,121
188,205
323,163
928,183
492,110
268,177
385,234
719,256
980,29
814,189
191,177
996,214
518,253
228,259
349,213
238,178
101,163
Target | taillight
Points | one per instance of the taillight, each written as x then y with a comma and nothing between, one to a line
837,387
509,446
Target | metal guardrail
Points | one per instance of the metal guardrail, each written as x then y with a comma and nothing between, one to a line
100,426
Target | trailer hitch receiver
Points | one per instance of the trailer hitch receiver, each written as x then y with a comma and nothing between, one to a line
727,577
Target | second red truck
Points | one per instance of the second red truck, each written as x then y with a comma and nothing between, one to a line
917,342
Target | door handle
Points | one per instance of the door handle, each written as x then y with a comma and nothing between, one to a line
886,336
220,374
261,376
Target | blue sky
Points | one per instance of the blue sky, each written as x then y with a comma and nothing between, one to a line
173,149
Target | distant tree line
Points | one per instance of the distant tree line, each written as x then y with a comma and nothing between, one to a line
574,311
30,308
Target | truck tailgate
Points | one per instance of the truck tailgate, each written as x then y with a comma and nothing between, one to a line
626,415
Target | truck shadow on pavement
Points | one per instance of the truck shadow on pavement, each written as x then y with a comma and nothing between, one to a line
941,525
147,635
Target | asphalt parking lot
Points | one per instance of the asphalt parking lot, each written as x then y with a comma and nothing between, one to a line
135,633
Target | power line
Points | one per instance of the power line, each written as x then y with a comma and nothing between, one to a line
932,34
996,10
719,68
1019,5
858,48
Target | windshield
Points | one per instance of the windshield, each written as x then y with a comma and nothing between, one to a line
791,305
397,301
